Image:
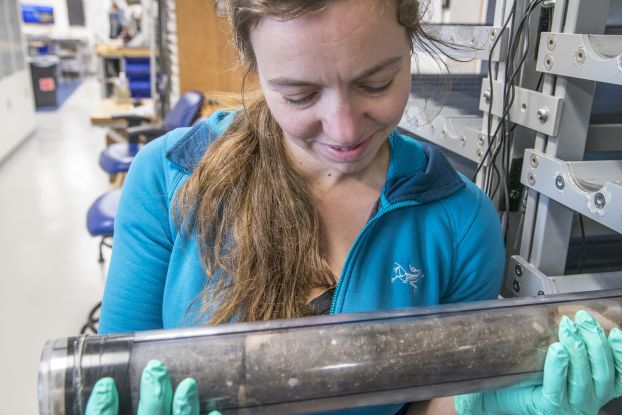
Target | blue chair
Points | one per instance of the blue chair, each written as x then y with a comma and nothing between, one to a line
116,158
100,223
100,218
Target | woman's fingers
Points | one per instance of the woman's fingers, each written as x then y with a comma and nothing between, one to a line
554,383
186,399
580,386
104,399
156,394
156,390
599,355
615,341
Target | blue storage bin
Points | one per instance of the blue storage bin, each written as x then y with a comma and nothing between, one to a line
140,88
138,74
139,69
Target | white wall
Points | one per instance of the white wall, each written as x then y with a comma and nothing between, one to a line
467,11
61,20
460,11
17,115
95,16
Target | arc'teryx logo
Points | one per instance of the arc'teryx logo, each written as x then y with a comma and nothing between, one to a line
411,278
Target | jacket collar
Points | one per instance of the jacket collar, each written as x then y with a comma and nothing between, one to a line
417,172
188,151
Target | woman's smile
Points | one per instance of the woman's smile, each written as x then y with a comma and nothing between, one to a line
346,153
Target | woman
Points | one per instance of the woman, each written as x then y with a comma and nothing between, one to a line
307,201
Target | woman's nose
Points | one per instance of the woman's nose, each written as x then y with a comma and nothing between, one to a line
342,122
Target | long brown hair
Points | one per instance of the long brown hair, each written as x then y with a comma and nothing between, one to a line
249,208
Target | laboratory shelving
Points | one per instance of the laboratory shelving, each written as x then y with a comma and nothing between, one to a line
567,113
594,57
591,188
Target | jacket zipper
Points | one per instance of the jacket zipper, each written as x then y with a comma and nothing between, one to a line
180,168
357,241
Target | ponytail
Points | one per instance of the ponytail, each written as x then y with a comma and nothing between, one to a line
257,229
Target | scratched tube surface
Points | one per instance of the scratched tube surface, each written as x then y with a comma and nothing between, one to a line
327,362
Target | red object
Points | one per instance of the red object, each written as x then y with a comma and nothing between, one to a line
47,84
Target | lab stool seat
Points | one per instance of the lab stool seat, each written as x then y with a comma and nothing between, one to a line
100,218
116,158
100,222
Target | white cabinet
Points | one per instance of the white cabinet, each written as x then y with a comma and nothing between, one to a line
17,116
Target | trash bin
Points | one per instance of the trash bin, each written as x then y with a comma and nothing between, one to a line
43,70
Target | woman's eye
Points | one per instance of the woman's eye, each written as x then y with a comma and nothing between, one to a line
377,89
300,102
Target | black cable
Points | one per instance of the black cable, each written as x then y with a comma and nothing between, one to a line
490,75
509,96
501,140
514,45
540,81
514,39
580,271
92,322
508,90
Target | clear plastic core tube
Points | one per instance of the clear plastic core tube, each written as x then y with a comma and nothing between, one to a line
328,362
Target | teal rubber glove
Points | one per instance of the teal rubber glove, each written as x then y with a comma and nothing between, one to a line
156,395
582,372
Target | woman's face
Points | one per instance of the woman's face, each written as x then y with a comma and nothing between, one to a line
336,82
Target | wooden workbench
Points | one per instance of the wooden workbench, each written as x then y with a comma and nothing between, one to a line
106,50
109,107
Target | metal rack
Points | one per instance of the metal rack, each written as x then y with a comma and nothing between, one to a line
591,188
473,41
561,183
453,122
593,57
568,144
567,147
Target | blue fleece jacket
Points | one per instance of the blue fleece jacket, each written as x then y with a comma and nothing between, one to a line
435,238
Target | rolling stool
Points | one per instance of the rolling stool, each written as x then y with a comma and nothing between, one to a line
100,223
117,157
100,218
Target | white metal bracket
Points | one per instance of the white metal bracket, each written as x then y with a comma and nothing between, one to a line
459,134
530,108
473,42
525,280
591,57
592,188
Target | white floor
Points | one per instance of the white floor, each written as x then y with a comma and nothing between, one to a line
49,274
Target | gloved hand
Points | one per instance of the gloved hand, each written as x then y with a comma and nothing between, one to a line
156,395
582,372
